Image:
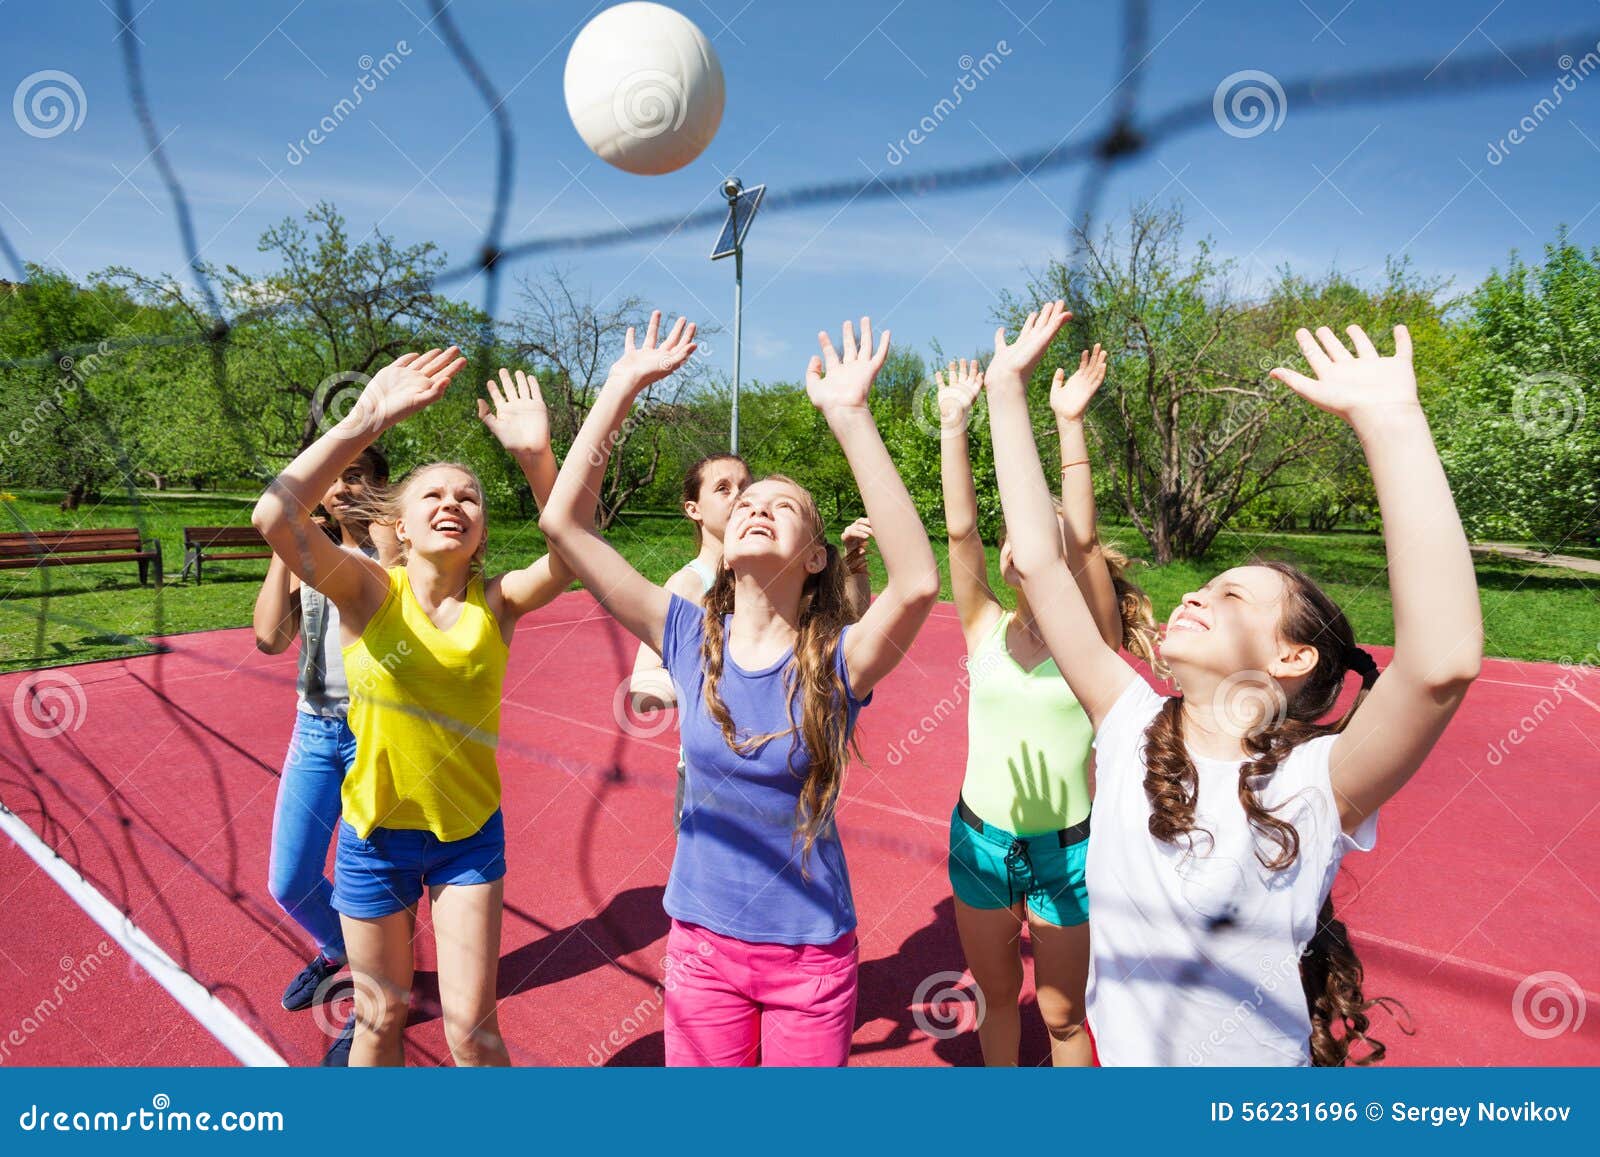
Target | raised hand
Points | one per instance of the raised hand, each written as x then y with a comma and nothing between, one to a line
405,386
1353,387
1070,397
855,538
645,364
1015,362
957,393
519,419
835,382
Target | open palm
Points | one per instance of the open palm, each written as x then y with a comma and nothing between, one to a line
519,419
1070,397
404,387
835,380
958,392
646,363
1352,386
1019,358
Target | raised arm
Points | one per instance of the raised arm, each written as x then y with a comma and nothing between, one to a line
1069,401
276,618
1438,625
568,520
650,686
838,386
356,584
521,424
969,565
853,542
1095,672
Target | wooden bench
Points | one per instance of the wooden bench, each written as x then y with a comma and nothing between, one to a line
22,550
220,542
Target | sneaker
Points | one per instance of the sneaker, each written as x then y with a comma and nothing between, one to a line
338,1057
307,988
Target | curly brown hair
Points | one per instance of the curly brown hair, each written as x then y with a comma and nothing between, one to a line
1139,634
1330,971
811,677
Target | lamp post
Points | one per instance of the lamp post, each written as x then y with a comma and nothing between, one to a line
742,206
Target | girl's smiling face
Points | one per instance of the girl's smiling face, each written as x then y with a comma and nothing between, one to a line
350,490
442,514
773,525
1231,624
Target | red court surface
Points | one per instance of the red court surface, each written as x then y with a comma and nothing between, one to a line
1479,910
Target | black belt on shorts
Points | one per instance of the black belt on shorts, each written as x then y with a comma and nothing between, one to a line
1076,834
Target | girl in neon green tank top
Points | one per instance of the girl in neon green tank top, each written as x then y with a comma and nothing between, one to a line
425,647
1019,832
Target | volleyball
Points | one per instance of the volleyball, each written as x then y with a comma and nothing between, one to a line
644,88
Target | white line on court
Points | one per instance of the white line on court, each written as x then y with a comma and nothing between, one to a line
214,1016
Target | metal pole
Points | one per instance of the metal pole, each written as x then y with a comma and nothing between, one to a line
738,307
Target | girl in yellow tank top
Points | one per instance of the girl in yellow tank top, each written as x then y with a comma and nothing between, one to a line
1019,832
425,703
425,647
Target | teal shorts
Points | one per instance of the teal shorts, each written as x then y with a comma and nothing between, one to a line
993,868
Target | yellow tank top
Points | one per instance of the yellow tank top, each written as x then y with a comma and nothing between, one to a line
425,710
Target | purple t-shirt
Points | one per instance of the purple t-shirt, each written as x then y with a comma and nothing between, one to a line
737,867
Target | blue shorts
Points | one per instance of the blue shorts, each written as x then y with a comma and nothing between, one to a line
995,869
386,872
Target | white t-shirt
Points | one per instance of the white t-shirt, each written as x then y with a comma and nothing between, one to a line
1195,947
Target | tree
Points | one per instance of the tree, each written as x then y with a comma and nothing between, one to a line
571,341
60,431
1520,424
307,334
1189,430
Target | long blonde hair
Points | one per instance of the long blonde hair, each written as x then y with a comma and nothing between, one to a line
811,676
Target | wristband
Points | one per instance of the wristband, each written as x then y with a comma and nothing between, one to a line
1065,466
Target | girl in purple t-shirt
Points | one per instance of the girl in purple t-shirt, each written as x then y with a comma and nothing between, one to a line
769,677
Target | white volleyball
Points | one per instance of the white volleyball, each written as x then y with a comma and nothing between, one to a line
644,88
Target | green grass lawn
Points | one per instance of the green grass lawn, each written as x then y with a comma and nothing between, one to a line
81,613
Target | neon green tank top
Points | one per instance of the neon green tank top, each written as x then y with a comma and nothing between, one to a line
1028,742
425,710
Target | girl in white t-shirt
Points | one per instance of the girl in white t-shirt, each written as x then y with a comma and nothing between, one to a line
1222,813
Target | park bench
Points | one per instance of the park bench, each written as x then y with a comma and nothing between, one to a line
21,550
220,542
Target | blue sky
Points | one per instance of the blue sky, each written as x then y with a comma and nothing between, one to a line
816,91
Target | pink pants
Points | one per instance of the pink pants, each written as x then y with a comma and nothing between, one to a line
732,1002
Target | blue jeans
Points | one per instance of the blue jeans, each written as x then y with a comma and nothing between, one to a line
304,824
